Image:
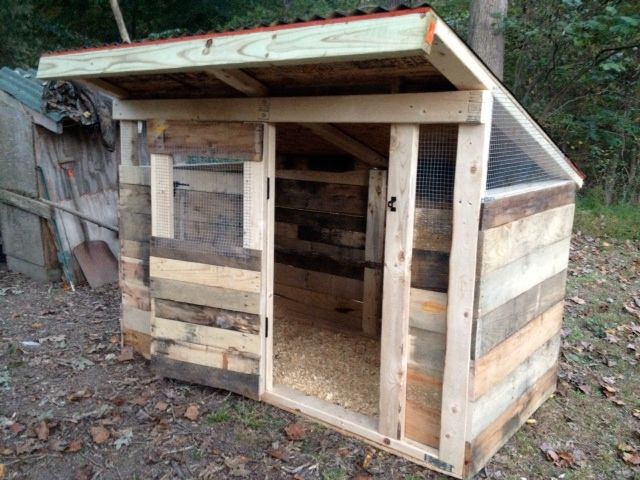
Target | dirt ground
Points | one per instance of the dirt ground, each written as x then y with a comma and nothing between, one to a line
72,406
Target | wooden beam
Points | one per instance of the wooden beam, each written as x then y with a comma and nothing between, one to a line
25,203
374,252
470,180
104,87
349,144
241,81
162,196
359,38
436,107
401,193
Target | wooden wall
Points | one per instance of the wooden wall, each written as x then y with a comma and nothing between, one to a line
522,265
320,233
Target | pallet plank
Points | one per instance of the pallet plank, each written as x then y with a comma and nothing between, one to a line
190,251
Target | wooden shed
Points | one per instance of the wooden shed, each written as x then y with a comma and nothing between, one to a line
376,238
37,149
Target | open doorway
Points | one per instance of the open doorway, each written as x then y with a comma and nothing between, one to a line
328,244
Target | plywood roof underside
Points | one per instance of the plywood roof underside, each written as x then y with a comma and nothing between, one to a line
386,75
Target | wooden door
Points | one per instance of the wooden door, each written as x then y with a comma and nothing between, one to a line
208,269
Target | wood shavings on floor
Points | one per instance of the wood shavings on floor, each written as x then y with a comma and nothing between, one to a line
340,367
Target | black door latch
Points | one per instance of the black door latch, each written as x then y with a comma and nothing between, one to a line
392,204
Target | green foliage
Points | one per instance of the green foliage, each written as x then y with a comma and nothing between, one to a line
620,221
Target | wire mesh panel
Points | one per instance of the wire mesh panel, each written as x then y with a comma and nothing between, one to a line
517,152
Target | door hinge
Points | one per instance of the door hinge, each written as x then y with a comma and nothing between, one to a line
266,327
392,204
268,187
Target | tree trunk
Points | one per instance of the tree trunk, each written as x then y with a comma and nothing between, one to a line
122,28
486,32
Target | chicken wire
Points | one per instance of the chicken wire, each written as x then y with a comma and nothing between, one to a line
516,149
208,207
434,193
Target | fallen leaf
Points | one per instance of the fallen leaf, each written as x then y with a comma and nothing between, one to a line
27,447
236,466
608,390
192,412
631,458
367,459
6,451
295,431
42,431
578,300
16,428
99,434
279,453
586,389
79,395
126,354
74,446
161,406
58,445
36,325
140,401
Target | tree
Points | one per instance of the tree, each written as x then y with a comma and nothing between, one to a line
486,32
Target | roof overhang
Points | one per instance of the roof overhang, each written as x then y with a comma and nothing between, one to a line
416,34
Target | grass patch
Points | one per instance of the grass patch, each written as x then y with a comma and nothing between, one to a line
620,221
221,415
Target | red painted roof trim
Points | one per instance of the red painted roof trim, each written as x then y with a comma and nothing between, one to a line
214,35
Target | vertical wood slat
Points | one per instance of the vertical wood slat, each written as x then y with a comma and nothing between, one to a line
266,320
374,252
470,180
129,143
254,195
403,164
162,222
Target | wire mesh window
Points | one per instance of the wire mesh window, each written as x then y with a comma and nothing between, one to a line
207,209
516,155
434,204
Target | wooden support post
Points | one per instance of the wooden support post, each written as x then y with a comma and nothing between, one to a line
128,142
162,217
269,161
374,252
469,187
401,195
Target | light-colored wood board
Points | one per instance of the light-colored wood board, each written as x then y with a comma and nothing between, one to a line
434,107
128,145
499,286
134,198
135,319
374,251
351,39
494,194
135,295
503,359
318,281
428,310
134,249
506,243
209,181
204,355
352,424
162,217
346,306
253,204
470,178
426,351
497,400
206,275
502,322
221,338
134,271
315,316
177,291
354,177
134,174
401,191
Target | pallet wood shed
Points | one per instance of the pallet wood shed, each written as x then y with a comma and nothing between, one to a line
349,218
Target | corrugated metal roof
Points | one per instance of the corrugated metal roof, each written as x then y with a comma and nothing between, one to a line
24,86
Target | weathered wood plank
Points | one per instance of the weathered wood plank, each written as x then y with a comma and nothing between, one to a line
374,251
507,209
426,350
320,263
221,338
424,108
496,401
425,238
140,342
317,317
134,249
162,217
134,271
321,220
291,243
135,175
135,295
178,291
209,316
470,179
506,243
205,275
241,383
428,310
354,177
347,143
319,282
507,319
189,251
135,198
424,392
542,263
25,203
135,319
128,145
346,306
430,270
253,204
202,180
403,165
503,359
322,197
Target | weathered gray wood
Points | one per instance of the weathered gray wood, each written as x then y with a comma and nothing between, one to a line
241,383
320,263
321,220
326,197
495,326
25,203
135,226
430,270
135,198
189,251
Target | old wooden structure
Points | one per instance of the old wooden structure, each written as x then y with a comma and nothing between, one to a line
355,192
36,150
